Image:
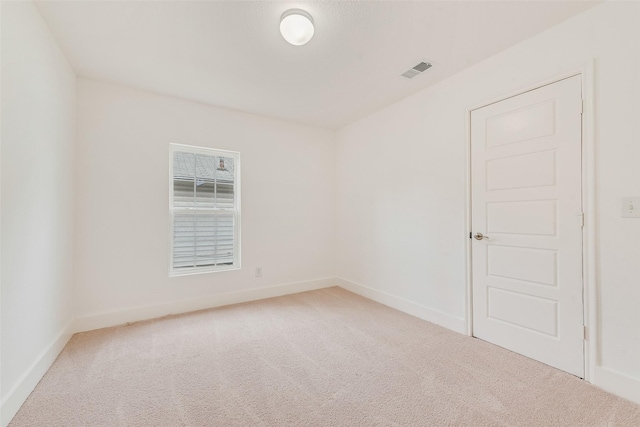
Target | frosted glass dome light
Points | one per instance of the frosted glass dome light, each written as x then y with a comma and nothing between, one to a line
296,26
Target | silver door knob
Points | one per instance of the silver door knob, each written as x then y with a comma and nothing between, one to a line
480,236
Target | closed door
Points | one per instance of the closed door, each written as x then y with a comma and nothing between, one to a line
527,224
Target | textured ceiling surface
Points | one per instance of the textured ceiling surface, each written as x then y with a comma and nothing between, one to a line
231,54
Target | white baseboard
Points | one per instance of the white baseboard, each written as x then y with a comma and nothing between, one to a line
425,313
618,383
28,381
136,314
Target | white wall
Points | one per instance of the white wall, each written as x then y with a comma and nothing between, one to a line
38,132
401,193
122,202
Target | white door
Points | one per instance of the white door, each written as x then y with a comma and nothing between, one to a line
526,201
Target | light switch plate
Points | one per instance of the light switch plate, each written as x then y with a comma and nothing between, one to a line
631,207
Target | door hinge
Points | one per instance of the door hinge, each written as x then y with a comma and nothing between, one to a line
581,219
585,333
581,106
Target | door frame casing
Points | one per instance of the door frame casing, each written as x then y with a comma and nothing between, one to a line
589,266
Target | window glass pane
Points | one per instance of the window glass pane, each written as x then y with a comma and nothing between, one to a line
225,182
225,233
224,169
205,181
183,165
183,179
205,192
184,234
182,193
224,195
206,240
205,167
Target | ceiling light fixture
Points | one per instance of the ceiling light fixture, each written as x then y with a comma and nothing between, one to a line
296,26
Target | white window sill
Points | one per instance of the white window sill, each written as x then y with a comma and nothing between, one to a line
193,271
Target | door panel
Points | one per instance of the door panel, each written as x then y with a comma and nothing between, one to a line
527,264
526,311
538,217
526,198
522,171
525,124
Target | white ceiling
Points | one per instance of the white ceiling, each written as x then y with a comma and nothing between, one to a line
231,54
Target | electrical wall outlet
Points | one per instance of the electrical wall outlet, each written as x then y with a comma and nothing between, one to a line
258,271
631,207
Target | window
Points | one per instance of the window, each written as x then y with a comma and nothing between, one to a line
205,210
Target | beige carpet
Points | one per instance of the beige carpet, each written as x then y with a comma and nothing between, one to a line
321,358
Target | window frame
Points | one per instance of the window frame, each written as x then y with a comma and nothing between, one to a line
187,271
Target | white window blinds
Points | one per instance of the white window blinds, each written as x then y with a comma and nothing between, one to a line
204,206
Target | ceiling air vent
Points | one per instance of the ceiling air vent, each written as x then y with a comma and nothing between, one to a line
423,66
